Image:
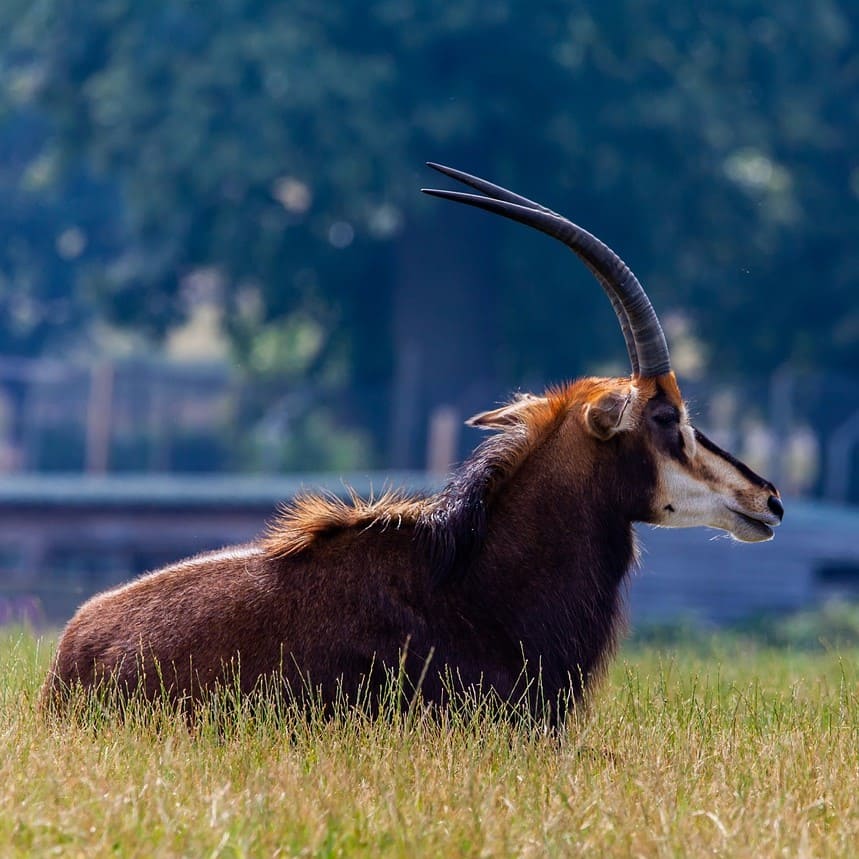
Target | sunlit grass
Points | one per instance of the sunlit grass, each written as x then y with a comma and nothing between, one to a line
734,751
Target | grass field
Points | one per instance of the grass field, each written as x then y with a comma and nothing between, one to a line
730,749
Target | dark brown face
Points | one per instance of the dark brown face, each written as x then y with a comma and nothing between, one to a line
663,421
698,483
693,482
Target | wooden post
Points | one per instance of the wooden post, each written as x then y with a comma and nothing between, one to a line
442,440
99,418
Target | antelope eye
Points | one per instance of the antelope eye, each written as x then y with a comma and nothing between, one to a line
666,418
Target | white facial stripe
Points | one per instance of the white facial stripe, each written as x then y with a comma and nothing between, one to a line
709,490
691,445
628,414
694,501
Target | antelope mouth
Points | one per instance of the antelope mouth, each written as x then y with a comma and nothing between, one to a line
750,529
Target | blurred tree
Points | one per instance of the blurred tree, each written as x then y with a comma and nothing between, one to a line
279,145
54,229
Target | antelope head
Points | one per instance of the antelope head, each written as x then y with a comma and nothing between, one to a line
696,482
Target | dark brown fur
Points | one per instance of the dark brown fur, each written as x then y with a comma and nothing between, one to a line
517,564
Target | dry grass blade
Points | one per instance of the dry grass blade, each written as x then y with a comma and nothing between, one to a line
746,756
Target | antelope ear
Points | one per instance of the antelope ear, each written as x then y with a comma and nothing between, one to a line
609,415
507,416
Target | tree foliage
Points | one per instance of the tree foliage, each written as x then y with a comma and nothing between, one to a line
280,145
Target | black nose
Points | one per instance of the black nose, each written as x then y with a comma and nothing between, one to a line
776,507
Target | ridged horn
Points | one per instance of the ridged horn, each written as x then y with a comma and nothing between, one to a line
645,340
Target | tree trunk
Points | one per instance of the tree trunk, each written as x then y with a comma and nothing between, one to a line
445,326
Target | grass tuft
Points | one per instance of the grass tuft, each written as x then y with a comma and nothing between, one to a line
679,752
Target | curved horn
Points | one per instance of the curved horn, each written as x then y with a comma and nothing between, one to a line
644,337
499,193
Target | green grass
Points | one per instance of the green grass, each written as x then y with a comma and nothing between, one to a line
735,749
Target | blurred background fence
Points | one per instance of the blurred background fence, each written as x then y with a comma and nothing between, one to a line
155,416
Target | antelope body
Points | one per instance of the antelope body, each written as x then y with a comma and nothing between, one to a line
508,580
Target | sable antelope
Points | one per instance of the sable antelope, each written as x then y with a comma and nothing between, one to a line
516,564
